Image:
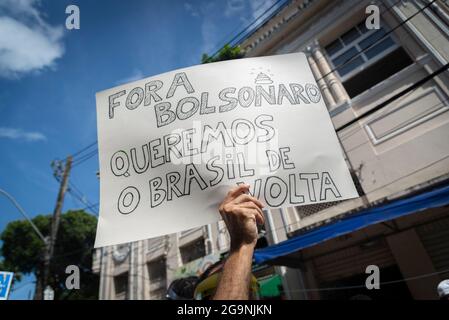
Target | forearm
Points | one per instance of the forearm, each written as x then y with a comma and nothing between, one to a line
235,280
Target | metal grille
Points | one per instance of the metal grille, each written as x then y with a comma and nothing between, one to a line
306,211
435,238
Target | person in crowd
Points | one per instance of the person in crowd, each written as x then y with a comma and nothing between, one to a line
241,213
229,279
443,289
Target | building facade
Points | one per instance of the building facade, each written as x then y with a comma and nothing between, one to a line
398,151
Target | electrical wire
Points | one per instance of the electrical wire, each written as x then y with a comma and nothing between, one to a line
253,22
88,156
351,58
85,157
213,55
395,97
331,71
417,116
270,232
76,192
421,276
84,149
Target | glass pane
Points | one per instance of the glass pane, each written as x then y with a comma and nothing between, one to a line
380,47
350,59
348,67
372,38
350,36
348,54
334,47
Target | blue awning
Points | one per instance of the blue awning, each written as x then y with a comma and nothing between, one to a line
394,209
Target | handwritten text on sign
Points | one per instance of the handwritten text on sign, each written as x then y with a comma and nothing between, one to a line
172,145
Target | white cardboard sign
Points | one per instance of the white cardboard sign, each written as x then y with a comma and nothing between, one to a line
172,145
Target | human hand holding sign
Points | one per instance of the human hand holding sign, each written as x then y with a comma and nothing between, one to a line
241,213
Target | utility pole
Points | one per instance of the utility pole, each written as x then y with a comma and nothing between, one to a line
55,220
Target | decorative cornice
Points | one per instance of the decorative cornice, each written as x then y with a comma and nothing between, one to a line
291,11
284,16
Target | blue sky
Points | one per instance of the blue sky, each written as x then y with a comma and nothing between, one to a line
49,76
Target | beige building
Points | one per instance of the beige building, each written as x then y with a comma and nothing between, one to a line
396,152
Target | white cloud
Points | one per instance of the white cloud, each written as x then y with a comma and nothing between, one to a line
247,11
19,134
258,7
28,43
136,75
209,32
191,10
234,7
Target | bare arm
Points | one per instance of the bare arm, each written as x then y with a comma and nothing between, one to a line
235,280
241,213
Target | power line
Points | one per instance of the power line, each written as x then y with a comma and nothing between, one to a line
351,58
91,154
82,199
86,157
421,276
417,116
78,194
84,149
270,232
380,106
395,97
89,208
267,232
254,21
95,205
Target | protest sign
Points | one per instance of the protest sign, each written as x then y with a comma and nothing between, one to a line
172,145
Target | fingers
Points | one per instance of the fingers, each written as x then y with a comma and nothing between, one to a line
260,219
237,190
250,210
239,202
247,198
251,205
254,215
247,209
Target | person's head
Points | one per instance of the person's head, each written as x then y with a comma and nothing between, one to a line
208,282
443,290
182,289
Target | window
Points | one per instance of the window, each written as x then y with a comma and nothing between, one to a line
363,58
193,250
157,272
121,285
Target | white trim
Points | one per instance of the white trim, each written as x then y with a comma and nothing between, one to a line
377,140
443,27
368,63
189,232
420,37
379,88
323,24
157,247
